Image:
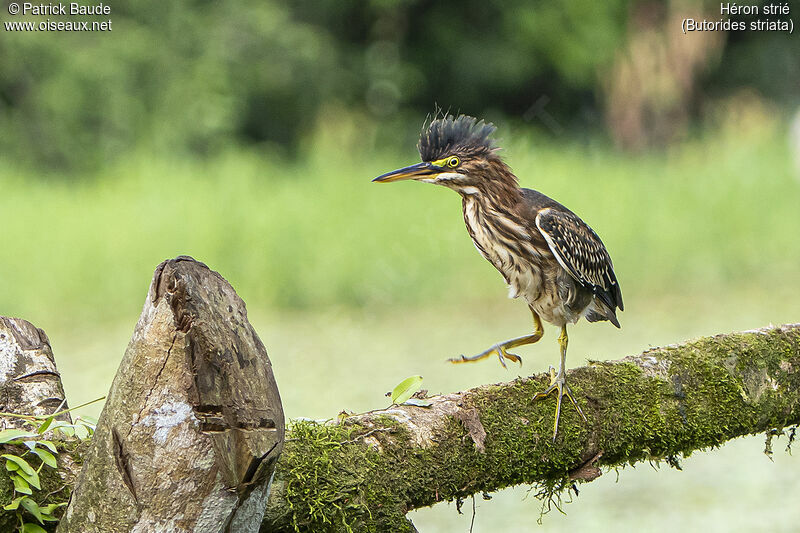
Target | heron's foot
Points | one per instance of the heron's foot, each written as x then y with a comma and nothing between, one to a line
558,385
498,349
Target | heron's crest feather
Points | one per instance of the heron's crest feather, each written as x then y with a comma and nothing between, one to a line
462,135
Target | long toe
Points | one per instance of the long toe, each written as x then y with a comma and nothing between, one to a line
572,399
559,386
514,357
471,359
544,394
559,395
501,357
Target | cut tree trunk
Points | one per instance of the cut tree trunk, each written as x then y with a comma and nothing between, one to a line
193,424
29,381
31,385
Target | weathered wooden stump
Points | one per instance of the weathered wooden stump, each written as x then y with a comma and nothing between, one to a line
30,385
193,424
29,381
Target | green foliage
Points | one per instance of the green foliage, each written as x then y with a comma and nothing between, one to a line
30,527
8,435
179,77
26,500
406,389
194,78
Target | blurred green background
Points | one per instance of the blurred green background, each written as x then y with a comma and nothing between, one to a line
246,136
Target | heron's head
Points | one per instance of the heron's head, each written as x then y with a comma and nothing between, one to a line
456,152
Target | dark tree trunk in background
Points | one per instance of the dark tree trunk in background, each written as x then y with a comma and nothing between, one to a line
193,424
652,84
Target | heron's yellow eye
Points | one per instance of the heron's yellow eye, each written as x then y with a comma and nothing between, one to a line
453,162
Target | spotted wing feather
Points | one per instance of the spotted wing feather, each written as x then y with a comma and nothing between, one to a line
581,252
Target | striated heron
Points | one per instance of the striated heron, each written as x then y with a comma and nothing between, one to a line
544,251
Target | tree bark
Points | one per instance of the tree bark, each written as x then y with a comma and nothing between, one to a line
193,424
29,381
367,471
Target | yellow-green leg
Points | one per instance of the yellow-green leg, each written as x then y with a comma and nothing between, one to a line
501,349
558,383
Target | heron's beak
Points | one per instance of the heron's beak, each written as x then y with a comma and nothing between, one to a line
414,172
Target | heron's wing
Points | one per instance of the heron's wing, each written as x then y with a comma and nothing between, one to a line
581,252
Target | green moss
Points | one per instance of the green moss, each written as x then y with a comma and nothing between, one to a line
311,489
708,397
337,482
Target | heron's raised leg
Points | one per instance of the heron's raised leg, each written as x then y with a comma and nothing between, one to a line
558,384
501,349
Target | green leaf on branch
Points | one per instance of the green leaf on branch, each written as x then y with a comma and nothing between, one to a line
7,435
20,462
47,511
46,457
49,445
32,479
82,431
67,429
24,477
46,425
406,389
25,471
33,508
14,503
20,485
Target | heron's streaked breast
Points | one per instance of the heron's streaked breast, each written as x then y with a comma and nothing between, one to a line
507,245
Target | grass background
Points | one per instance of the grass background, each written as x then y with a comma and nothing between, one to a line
354,286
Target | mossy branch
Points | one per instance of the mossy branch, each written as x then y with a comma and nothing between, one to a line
364,472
